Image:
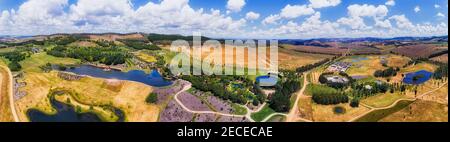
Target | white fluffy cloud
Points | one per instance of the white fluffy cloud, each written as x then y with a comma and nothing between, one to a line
235,5
357,13
167,16
437,6
402,22
289,12
252,15
272,19
324,3
441,15
295,11
417,9
366,10
355,23
390,3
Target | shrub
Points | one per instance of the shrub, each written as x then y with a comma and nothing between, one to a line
152,98
14,66
354,103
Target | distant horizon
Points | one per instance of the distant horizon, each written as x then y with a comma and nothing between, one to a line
231,37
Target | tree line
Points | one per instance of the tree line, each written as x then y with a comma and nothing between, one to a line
108,56
218,86
289,84
312,66
325,95
15,57
139,44
387,72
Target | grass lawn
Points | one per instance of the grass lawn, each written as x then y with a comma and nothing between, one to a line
145,57
239,110
292,100
277,118
377,115
420,111
8,49
264,113
311,88
384,100
33,63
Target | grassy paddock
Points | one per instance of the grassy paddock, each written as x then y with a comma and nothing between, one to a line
261,115
420,111
239,110
384,100
277,118
377,115
33,63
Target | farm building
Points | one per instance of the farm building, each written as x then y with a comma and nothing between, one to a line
337,79
339,67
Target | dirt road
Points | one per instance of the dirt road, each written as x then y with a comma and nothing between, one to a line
7,107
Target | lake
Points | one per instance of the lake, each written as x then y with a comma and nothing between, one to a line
359,59
421,77
153,79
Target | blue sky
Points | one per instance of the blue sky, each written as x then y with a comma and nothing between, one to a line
229,18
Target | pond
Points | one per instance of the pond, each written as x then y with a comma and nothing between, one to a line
417,78
267,81
339,110
66,113
153,79
359,59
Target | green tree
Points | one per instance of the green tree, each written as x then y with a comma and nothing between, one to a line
152,98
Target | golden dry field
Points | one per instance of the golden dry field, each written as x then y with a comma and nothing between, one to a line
83,44
325,113
291,60
5,108
442,58
420,111
287,59
129,96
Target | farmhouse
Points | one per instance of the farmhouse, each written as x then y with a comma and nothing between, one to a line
339,67
337,79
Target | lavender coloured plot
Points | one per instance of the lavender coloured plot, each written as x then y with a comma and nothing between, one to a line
175,113
220,105
206,118
192,102
232,119
165,93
